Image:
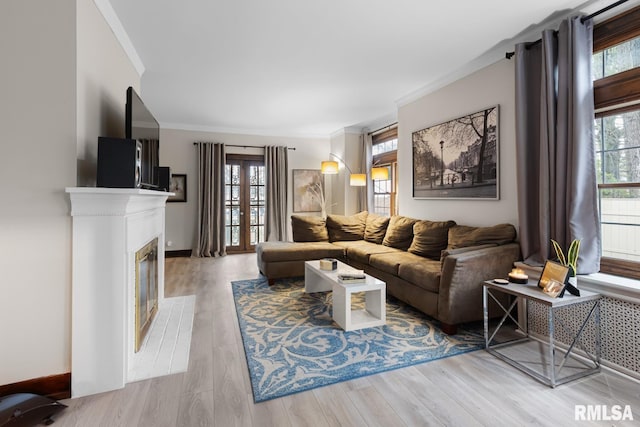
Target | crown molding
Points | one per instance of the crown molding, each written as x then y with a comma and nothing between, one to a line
239,131
497,52
109,15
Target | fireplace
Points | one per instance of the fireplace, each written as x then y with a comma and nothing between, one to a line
112,230
146,289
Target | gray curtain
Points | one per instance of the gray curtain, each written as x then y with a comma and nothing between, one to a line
557,192
210,234
276,171
365,195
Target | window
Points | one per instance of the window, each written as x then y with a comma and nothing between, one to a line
385,155
616,75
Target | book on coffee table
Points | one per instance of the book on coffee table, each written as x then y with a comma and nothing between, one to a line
352,278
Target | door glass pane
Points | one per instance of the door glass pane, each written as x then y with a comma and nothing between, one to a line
235,174
235,236
235,215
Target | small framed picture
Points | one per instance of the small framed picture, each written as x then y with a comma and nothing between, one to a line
553,271
178,186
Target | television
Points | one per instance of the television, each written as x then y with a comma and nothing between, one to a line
140,125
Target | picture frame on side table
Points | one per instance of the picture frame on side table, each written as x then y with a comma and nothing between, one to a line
178,185
553,272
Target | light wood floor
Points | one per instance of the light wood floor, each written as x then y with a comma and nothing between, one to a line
474,389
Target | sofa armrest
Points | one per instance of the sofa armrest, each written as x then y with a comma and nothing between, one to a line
460,293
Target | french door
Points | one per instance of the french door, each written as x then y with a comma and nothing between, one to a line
244,202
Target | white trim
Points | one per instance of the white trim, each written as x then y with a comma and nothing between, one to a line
237,131
497,52
109,14
617,287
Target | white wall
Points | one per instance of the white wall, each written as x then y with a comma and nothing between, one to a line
492,85
344,198
37,133
177,151
43,45
104,72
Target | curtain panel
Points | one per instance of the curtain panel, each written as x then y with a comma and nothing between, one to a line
210,234
276,171
557,190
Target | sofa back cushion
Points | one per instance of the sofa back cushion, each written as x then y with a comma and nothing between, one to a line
309,229
375,228
462,236
343,228
430,238
399,232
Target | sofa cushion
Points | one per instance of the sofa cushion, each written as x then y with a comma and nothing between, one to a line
375,228
422,272
430,238
399,232
300,251
361,250
309,229
461,236
346,227
389,262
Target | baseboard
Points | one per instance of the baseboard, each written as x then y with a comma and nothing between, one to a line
54,386
185,253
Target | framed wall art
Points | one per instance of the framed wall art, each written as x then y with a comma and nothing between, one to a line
178,185
458,159
308,190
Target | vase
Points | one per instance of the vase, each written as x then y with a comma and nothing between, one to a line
573,280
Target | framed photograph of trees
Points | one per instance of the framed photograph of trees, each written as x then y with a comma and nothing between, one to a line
458,159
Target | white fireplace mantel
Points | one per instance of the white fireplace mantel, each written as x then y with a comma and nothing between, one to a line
109,226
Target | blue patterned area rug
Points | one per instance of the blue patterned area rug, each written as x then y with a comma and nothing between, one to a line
292,344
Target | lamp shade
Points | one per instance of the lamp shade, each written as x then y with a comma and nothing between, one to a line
358,180
329,167
380,173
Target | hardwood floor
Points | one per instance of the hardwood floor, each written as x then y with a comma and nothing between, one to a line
474,389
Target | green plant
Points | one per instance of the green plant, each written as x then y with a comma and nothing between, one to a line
571,259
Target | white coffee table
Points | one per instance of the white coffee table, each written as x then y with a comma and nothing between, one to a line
374,313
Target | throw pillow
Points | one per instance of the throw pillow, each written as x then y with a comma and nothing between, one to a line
430,238
309,229
462,236
343,228
399,232
375,228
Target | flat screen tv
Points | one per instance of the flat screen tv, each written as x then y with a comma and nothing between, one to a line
142,126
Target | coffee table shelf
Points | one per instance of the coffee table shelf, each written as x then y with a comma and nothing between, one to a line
374,314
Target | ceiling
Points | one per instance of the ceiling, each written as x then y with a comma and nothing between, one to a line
295,67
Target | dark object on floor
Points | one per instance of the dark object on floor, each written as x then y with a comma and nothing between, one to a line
27,410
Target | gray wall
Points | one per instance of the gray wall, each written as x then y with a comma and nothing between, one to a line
57,97
493,85
177,151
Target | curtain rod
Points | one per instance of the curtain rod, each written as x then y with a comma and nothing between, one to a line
509,55
383,128
248,146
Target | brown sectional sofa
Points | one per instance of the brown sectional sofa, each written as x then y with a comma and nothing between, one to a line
435,266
